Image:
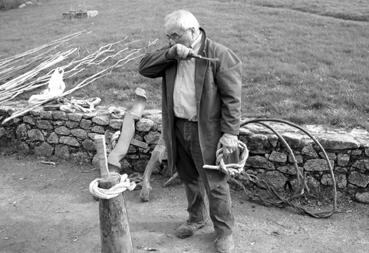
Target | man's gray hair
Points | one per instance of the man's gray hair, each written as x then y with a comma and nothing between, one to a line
181,19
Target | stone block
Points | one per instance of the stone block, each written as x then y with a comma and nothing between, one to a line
331,156
343,159
257,143
101,120
62,130
326,179
358,179
44,149
44,124
362,197
35,113
338,141
46,115
299,158
153,115
76,117
312,183
92,136
58,123
116,123
309,151
132,149
21,131
85,124
273,140
278,157
152,137
295,140
29,119
362,165
72,124
342,170
53,138
59,115
317,165
259,162
70,141
35,135
98,129
80,133
138,137
144,125
341,181
289,169
356,152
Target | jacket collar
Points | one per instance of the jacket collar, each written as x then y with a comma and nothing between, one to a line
203,47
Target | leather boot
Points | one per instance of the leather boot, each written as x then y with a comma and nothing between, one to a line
187,229
224,244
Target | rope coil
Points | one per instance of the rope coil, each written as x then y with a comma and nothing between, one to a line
123,185
231,169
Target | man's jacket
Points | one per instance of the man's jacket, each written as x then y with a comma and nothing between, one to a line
218,95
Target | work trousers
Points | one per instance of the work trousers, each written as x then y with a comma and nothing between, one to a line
188,163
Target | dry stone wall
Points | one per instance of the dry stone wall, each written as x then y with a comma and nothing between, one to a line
60,135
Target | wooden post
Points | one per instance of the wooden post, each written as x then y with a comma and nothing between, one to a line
114,226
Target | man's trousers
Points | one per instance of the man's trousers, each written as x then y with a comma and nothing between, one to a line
188,163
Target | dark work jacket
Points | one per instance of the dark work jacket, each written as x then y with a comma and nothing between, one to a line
218,95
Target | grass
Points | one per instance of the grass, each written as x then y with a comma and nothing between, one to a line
304,61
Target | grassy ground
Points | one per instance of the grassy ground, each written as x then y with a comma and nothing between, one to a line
304,61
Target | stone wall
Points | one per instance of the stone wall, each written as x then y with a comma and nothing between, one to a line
60,135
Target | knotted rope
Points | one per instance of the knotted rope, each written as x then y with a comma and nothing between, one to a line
231,168
123,185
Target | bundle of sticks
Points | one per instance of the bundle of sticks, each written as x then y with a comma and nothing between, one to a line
32,69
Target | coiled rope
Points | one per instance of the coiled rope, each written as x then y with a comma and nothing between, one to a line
231,169
123,185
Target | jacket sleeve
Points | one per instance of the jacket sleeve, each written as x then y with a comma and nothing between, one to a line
154,64
229,81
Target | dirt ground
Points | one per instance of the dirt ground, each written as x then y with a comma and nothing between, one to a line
49,209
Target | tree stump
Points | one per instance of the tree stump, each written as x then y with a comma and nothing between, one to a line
114,226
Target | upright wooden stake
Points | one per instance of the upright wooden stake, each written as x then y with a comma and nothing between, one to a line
114,226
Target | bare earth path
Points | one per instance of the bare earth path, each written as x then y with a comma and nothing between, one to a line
49,209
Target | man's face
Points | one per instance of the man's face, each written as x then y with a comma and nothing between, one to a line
180,36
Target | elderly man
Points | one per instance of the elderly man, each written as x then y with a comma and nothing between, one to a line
201,106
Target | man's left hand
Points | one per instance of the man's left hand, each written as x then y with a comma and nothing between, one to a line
229,142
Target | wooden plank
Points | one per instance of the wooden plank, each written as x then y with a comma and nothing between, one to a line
101,155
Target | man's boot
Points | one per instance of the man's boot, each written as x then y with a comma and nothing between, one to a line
188,228
224,244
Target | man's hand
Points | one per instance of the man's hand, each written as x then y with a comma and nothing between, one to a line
179,51
229,142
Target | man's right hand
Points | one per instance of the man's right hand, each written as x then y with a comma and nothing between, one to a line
179,51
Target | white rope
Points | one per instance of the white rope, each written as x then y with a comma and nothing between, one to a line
123,185
231,168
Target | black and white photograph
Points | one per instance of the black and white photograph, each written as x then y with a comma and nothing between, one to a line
183,126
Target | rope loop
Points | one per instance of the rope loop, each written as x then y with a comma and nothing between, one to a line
123,185
231,169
